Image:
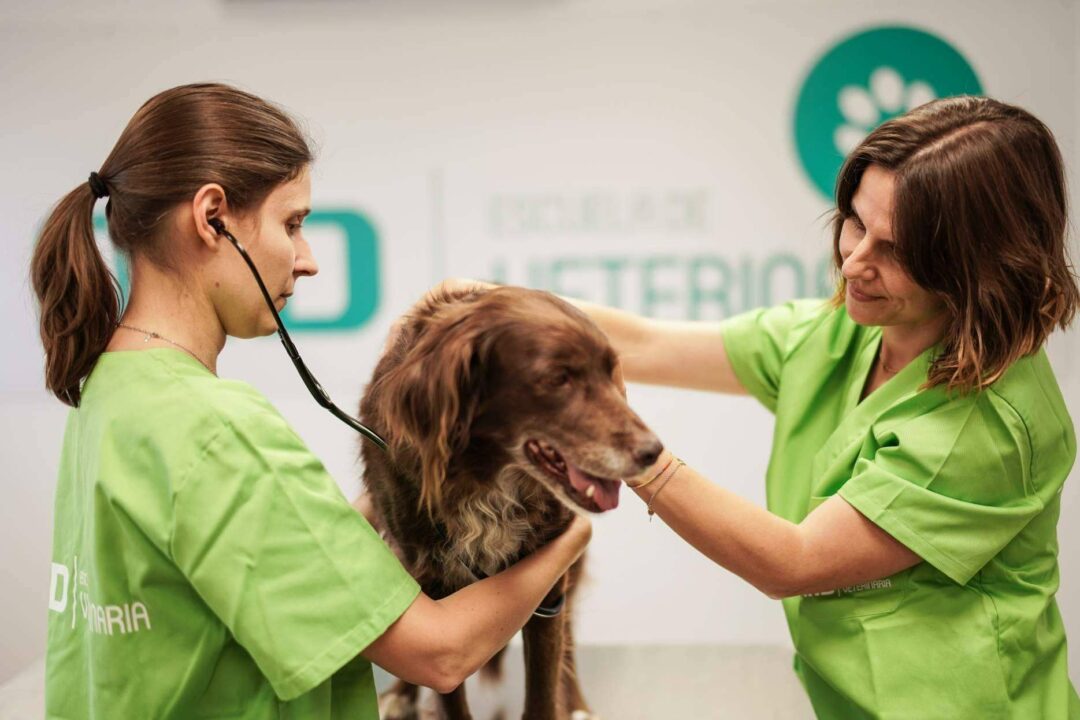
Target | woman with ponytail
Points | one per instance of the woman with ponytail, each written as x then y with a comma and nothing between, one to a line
204,562
78,294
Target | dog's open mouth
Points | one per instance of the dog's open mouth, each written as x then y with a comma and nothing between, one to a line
589,491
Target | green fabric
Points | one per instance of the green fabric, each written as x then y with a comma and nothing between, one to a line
204,562
971,483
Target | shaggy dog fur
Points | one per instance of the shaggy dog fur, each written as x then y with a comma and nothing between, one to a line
502,418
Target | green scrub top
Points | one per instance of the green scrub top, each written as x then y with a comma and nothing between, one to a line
204,564
971,483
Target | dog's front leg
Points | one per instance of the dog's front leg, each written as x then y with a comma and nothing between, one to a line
454,705
573,698
543,662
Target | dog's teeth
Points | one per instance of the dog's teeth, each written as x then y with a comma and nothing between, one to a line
590,492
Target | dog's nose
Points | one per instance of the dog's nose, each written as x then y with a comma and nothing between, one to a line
646,453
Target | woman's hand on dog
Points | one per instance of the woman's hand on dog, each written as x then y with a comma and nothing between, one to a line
447,286
578,533
365,507
452,285
439,643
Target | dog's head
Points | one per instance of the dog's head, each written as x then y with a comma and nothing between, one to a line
512,377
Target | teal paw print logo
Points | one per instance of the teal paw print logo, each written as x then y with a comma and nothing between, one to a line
864,108
863,81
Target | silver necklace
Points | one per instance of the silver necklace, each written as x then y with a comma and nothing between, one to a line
158,336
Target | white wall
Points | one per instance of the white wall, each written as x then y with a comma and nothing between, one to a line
429,115
1068,367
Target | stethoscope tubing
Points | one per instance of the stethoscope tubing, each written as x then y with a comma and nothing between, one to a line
313,385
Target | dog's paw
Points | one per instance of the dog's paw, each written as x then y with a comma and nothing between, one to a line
584,715
397,706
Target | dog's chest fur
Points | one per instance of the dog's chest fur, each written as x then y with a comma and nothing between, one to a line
479,535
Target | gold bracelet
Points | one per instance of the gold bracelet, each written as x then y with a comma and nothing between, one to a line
662,486
662,471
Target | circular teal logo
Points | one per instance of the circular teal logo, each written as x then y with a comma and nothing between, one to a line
866,79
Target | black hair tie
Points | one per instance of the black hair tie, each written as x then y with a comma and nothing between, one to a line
97,186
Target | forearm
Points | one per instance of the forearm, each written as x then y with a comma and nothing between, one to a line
758,546
482,618
440,643
834,546
633,337
683,354
628,333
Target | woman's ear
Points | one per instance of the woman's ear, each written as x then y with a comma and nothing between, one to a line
429,401
209,202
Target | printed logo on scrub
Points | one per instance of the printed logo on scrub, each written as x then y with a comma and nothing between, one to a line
70,587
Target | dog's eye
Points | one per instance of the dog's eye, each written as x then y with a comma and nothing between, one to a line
558,379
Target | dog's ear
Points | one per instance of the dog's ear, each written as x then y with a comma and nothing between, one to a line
428,402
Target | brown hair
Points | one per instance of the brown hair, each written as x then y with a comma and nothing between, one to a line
980,219
178,141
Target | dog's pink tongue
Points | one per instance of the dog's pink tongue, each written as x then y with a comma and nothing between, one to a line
606,493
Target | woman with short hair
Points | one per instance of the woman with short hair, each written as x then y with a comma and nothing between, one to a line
921,440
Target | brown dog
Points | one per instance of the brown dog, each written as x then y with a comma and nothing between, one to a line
502,418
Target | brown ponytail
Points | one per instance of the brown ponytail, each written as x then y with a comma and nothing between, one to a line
178,141
79,297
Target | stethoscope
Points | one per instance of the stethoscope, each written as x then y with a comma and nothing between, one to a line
312,384
323,399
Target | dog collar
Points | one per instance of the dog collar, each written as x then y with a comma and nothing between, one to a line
553,610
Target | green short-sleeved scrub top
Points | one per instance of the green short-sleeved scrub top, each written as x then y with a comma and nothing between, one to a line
971,483
205,564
